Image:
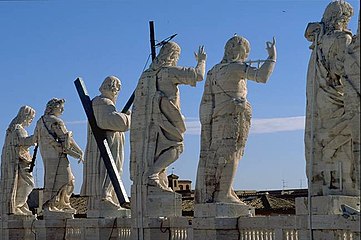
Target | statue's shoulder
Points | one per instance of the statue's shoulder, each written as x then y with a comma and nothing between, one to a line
150,73
100,100
52,119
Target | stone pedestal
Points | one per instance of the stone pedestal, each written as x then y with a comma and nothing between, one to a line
49,215
218,221
221,210
99,208
54,225
326,205
151,204
95,229
215,228
106,213
17,227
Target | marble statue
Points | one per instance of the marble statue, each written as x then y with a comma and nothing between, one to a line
17,181
331,166
225,115
158,126
352,103
96,182
55,144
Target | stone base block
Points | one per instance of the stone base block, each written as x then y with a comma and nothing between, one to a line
215,228
163,203
326,205
121,213
17,227
152,202
50,215
164,229
221,210
54,229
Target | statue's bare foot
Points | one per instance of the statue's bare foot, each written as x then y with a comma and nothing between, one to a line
155,183
25,210
229,198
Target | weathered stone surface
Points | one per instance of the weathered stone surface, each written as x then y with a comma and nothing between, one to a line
225,115
17,181
158,126
56,143
102,199
332,167
326,205
222,210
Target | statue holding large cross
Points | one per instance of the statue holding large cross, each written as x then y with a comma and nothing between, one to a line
98,185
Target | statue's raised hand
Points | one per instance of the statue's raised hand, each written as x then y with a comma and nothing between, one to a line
201,55
271,48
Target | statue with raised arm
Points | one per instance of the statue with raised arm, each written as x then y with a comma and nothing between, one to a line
331,168
56,143
17,181
158,127
225,115
96,182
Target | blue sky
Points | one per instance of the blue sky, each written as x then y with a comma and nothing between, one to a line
46,45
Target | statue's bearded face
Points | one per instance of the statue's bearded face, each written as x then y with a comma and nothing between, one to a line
113,91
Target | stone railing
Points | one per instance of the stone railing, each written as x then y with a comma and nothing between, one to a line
112,228
296,228
293,227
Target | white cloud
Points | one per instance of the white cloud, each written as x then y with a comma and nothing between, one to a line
77,122
270,125
259,125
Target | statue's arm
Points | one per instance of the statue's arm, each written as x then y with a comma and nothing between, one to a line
108,118
200,68
263,73
206,110
22,137
342,44
190,75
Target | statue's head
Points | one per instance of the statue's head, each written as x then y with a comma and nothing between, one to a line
55,106
25,116
237,48
168,55
110,87
337,15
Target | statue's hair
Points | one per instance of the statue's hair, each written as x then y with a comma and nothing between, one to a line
20,117
166,55
336,11
230,55
109,83
53,104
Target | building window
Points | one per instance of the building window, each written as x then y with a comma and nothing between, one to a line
187,187
181,187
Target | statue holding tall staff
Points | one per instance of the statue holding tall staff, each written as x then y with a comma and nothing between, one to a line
331,166
56,143
158,127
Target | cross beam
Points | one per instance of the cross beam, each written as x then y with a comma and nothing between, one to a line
101,140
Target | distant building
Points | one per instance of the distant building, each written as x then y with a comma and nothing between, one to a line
179,185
